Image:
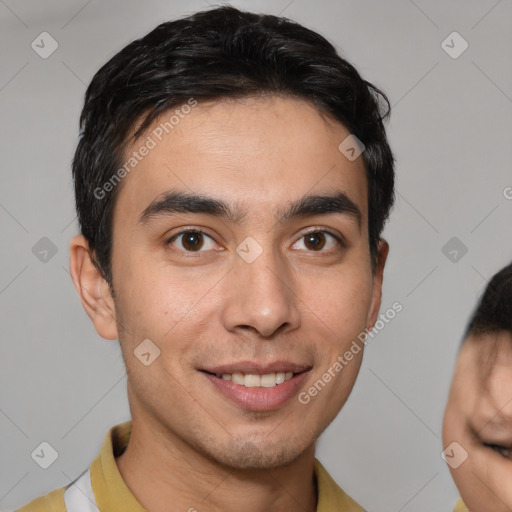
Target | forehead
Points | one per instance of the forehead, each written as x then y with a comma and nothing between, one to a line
261,152
490,349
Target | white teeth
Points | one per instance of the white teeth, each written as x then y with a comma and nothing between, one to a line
269,380
252,381
238,378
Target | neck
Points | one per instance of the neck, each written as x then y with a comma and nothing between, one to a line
160,469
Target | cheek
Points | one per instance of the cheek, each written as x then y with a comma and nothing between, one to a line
475,477
484,482
154,298
341,301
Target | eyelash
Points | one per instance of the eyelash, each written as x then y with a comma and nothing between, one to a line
337,237
499,449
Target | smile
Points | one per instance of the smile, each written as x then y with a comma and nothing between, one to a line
258,387
269,380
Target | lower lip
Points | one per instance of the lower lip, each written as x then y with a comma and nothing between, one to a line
258,399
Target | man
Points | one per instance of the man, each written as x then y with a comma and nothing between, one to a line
477,427
232,181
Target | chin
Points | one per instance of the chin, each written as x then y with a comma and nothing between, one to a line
243,454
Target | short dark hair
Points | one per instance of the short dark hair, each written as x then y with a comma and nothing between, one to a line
494,311
213,55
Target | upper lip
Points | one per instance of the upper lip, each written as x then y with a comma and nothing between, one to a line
254,368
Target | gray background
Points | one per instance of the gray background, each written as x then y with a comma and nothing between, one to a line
450,130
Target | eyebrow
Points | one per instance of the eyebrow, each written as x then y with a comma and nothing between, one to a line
173,201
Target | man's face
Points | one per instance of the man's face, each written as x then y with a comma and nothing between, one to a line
478,417
255,294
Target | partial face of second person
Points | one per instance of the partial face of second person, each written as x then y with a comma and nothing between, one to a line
296,307
478,417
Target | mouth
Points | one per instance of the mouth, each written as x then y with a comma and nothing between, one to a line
253,380
258,387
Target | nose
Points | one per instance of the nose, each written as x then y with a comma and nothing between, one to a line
261,296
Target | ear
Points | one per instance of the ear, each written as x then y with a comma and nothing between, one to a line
93,289
378,275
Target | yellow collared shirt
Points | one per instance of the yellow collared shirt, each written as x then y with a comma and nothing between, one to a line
460,507
112,495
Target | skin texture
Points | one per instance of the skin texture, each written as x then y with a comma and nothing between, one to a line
478,414
296,302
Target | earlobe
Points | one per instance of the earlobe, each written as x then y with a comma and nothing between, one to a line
378,276
93,289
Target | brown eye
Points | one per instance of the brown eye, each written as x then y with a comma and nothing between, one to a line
192,241
318,241
315,241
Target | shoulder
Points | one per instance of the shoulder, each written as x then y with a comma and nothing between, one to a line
51,502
